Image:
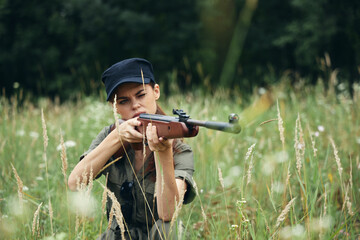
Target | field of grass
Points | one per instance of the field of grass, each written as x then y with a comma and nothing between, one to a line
292,173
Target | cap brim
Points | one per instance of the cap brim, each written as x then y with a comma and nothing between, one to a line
127,80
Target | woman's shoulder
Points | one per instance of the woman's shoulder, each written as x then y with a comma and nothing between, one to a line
104,132
100,137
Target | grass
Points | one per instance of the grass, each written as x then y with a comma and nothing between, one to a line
250,186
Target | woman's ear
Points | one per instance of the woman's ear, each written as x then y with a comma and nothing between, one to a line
157,91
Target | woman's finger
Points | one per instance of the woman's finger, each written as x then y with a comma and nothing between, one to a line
134,122
128,131
156,143
151,134
136,135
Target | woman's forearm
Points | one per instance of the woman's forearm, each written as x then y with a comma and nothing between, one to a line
94,161
166,186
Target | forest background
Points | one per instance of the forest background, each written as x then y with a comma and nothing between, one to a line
60,48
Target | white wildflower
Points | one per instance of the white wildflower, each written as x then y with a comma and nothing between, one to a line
268,167
82,203
277,187
34,134
281,156
234,226
262,91
320,224
20,133
321,128
299,146
68,144
296,232
235,171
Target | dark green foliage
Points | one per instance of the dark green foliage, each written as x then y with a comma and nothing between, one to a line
295,34
62,47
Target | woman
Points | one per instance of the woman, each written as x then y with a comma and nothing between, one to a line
164,164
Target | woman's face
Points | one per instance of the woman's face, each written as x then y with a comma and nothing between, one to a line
134,98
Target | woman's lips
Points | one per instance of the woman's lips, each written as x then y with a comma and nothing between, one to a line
137,114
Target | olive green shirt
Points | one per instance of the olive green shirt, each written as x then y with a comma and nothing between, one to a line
121,171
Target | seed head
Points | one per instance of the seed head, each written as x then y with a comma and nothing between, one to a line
284,213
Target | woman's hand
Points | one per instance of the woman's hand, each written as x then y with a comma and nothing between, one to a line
128,131
157,144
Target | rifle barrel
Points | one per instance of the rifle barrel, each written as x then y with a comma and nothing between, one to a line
220,126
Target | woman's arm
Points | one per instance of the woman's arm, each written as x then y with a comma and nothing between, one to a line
168,189
98,157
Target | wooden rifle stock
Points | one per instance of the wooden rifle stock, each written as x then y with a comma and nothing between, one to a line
165,129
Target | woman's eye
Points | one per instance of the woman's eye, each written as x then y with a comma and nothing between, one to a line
122,102
141,95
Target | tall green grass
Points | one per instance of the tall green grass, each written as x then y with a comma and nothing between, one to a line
250,186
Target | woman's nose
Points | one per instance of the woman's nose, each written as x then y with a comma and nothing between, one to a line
135,104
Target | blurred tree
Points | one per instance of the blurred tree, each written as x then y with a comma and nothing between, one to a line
263,61
294,35
237,42
62,47
284,36
310,34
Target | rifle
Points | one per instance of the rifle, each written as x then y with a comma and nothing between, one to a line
181,126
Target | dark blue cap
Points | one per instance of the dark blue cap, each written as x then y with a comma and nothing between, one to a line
128,70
